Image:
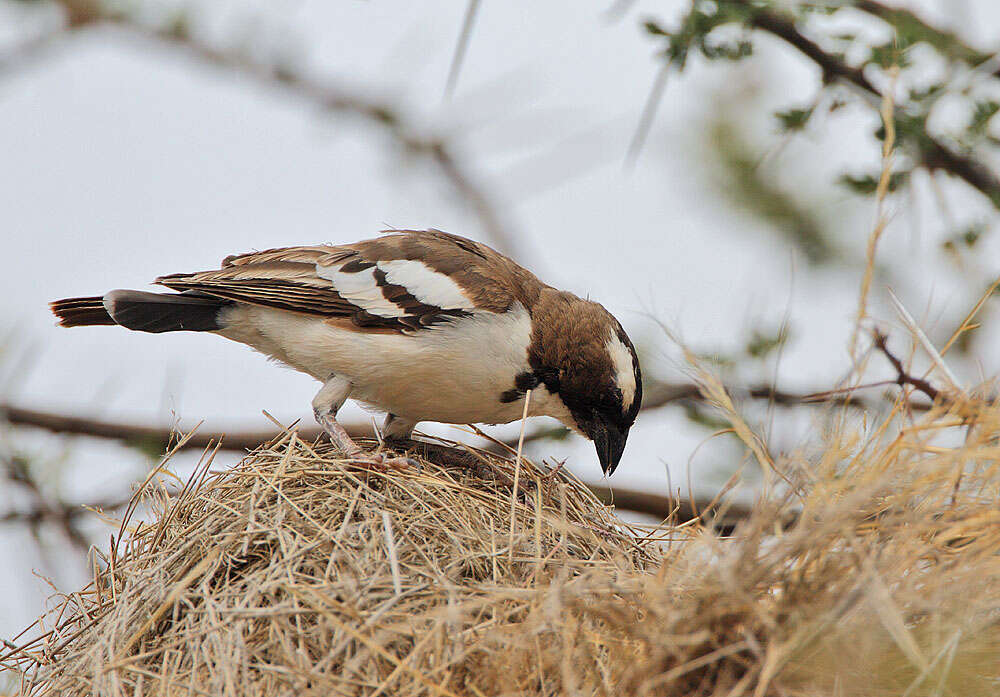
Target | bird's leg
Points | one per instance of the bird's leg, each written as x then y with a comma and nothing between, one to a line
396,429
326,404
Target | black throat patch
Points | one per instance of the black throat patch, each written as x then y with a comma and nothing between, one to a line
529,381
522,383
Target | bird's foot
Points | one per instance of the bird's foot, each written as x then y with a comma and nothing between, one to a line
378,461
355,453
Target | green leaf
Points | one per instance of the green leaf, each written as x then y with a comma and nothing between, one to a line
888,55
910,29
794,119
867,184
654,29
968,237
762,343
982,113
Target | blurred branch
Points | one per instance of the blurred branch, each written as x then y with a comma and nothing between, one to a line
927,150
461,47
656,395
659,394
153,438
933,154
903,19
63,515
86,14
149,437
328,95
677,510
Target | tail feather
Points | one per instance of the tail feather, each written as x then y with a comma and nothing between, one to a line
144,312
81,312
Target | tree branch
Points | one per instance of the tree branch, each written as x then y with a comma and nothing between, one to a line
933,154
64,515
657,394
150,436
61,514
945,41
655,505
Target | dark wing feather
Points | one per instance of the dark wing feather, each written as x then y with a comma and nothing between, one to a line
287,285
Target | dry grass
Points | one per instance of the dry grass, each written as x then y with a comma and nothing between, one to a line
293,574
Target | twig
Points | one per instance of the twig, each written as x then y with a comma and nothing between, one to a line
390,545
903,377
648,115
461,46
881,219
517,474
935,356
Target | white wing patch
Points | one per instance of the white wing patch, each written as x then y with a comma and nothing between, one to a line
621,359
425,284
361,289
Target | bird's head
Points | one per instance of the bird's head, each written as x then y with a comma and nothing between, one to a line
583,356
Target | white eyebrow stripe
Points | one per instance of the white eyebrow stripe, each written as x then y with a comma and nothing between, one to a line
425,284
621,359
360,288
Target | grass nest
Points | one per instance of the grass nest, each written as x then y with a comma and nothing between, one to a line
295,573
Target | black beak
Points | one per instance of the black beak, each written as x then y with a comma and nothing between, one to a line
610,443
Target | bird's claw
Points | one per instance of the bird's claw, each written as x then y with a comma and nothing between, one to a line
378,461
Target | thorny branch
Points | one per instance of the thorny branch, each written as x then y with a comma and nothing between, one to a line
902,376
932,153
929,151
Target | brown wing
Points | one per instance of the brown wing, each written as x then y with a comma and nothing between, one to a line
404,280
287,285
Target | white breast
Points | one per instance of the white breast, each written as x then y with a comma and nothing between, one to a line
454,372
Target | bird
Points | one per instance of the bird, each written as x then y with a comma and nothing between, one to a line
421,324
